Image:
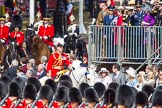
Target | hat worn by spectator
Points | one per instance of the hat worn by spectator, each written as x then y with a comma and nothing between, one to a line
103,70
129,8
131,72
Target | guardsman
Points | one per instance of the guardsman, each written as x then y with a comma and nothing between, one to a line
75,98
103,12
14,94
38,23
46,32
18,36
29,95
45,97
4,31
57,61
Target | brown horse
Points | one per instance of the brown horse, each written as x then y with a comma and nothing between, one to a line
2,52
39,49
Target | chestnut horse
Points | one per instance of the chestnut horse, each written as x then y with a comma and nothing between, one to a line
39,49
2,52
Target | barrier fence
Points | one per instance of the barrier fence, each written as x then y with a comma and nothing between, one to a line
124,44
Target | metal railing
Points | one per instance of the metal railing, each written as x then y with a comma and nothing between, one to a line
124,44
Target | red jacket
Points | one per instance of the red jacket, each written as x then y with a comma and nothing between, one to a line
19,36
39,104
23,104
56,63
9,103
47,31
4,30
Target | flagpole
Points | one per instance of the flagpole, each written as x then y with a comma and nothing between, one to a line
31,9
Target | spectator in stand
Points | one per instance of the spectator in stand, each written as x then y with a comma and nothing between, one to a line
104,77
132,79
147,69
150,79
41,71
23,63
118,77
31,70
44,60
20,72
156,70
159,80
103,12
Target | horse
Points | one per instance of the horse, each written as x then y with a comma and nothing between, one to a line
2,52
39,49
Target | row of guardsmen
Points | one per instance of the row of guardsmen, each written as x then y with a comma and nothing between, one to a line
14,94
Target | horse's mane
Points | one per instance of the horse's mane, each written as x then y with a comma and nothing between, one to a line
36,39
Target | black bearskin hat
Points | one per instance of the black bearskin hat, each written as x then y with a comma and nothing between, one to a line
16,21
35,82
109,96
46,92
65,77
61,94
124,96
65,83
158,88
100,88
74,95
52,84
6,80
157,98
82,88
20,81
3,90
30,91
148,89
91,95
15,90
141,98
113,86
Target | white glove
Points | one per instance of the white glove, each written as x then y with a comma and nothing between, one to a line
40,37
45,37
70,34
3,41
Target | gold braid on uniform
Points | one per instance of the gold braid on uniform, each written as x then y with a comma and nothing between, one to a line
58,61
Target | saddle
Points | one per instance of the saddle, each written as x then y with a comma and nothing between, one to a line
60,73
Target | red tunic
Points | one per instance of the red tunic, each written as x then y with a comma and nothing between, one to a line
23,104
39,104
56,62
47,31
4,30
119,23
9,103
19,36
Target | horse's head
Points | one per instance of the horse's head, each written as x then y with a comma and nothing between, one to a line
29,34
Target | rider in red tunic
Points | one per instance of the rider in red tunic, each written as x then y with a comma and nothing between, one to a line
18,36
46,32
57,61
4,30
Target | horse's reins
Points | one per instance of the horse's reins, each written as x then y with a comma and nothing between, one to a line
73,76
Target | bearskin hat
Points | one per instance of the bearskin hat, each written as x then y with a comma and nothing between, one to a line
74,95
109,96
82,88
15,90
100,88
158,88
141,98
52,84
148,89
91,95
65,77
124,96
157,98
46,92
6,80
65,83
3,90
61,94
16,21
20,81
113,86
30,91
134,91
35,82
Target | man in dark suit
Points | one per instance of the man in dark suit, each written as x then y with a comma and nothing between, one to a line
11,72
118,77
41,71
